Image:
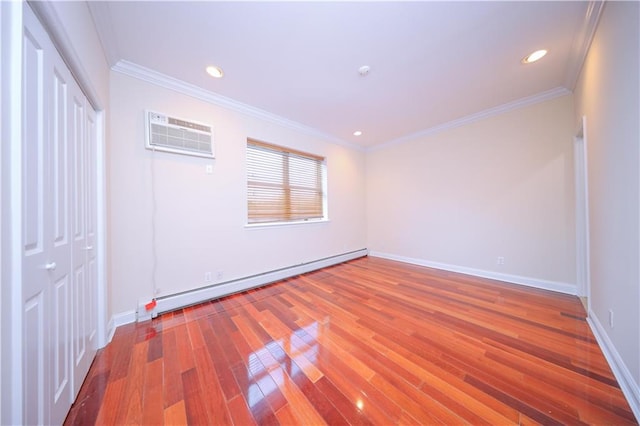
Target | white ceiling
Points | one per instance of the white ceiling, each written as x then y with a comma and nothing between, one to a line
431,62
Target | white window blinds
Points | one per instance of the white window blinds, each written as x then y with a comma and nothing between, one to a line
283,185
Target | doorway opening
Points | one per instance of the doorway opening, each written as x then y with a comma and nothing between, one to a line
582,214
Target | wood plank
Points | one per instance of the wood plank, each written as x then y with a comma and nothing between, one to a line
240,413
183,348
286,417
172,383
193,402
152,398
87,405
256,401
110,403
301,407
130,407
212,393
221,365
176,414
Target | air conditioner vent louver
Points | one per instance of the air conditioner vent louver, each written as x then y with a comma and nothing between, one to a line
170,134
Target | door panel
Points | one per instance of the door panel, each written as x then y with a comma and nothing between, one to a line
36,256
59,160
78,199
83,309
60,336
58,188
77,154
33,94
34,359
91,161
79,343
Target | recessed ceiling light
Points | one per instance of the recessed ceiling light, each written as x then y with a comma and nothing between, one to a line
538,54
357,133
214,71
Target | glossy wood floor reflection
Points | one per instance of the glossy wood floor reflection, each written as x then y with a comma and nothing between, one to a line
370,341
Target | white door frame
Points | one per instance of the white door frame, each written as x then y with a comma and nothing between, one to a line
583,275
11,110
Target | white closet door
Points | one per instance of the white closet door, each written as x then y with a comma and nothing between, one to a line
83,229
46,234
59,216
91,223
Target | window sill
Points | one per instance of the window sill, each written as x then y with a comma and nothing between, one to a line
281,224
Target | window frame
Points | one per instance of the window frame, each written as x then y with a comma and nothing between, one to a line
286,151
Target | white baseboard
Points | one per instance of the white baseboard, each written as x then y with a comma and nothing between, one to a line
629,386
181,300
514,279
170,303
117,320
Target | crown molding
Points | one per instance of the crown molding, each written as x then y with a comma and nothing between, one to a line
500,109
582,42
150,76
162,80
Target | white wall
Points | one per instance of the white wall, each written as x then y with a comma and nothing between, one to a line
200,222
608,94
502,186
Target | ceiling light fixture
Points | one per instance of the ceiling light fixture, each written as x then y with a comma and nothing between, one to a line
357,133
538,54
364,70
214,71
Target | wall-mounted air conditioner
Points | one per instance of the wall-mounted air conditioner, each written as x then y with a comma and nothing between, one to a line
171,134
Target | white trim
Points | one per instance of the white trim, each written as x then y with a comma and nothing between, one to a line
582,42
117,320
167,82
2,204
513,279
111,329
284,224
11,391
583,274
101,228
192,297
629,386
500,109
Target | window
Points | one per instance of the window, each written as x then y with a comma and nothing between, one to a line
283,185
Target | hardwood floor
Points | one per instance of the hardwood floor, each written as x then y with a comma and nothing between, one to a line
369,341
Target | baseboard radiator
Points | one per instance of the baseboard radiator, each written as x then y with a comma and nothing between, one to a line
188,298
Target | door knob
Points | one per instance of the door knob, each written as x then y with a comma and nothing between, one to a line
50,266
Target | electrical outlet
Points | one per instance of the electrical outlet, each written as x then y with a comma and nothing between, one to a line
208,169
207,277
220,275
500,260
611,318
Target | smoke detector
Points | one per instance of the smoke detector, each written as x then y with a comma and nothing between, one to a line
364,70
